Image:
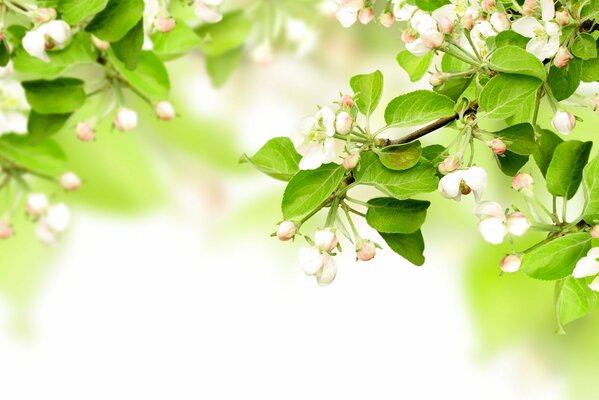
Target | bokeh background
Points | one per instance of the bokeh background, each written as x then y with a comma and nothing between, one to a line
169,286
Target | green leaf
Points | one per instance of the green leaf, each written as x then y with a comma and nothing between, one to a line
565,169
415,66
128,48
590,70
401,156
45,158
389,215
510,38
182,39
369,89
408,245
228,34
548,141
511,163
150,77
430,5
221,67
400,184
42,126
515,60
574,300
60,96
277,158
73,11
524,113
116,19
564,81
308,189
556,259
591,180
418,107
584,47
454,87
4,53
432,152
503,95
451,64
520,138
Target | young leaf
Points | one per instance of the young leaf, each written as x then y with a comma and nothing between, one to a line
116,19
180,40
503,95
565,169
4,53
308,189
418,107
432,152
574,300
430,5
60,96
73,11
454,87
515,60
548,141
408,245
556,259
520,139
128,48
451,64
414,66
584,47
564,81
389,215
277,158
402,185
401,156
42,126
228,34
510,38
369,89
511,163
150,77
591,180
45,158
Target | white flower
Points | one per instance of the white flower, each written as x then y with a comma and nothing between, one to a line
325,240
563,122
494,225
311,260
318,145
347,14
587,266
517,224
480,32
450,186
544,34
366,251
37,204
343,123
71,182
500,22
165,111
51,35
522,181
13,107
125,120
327,273
286,230
402,10
58,217
510,263
208,10
298,32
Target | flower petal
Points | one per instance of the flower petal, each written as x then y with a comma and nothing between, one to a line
526,26
493,230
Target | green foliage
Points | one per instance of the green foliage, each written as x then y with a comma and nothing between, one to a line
410,246
418,107
225,36
520,138
129,47
277,158
564,173
574,300
591,181
584,47
74,11
515,60
416,67
564,81
400,157
60,96
116,19
46,158
548,141
557,258
503,95
150,77
389,215
369,89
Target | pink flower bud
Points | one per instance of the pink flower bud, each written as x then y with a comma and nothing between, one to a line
37,204
498,146
125,120
85,132
562,57
164,24
563,122
165,111
351,161
450,164
445,25
343,123
286,231
488,4
366,15
562,17
43,14
100,44
6,231
522,181
437,79
407,37
433,39
325,240
347,101
529,7
366,251
595,232
500,22
510,263
71,182
467,21
387,19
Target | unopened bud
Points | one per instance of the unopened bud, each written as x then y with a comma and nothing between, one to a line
407,37
450,164
347,101
125,120
563,122
366,251
522,181
37,204
445,25
529,7
165,111
286,231
433,39
487,4
164,24
343,123
6,231
387,19
498,146
325,239
43,14
351,161
69,181
366,15
85,132
595,232
100,44
500,22
467,21
562,57
437,79
562,17
510,263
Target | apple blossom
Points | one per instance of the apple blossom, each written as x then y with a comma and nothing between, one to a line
449,164
13,107
529,6
562,57
343,123
564,122
445,25
208,10
6,231
58,217
347,14
510,263
69,181
450,186
41,15
387,19
487,5
85,132
165,111
164,23
517,223
366,15
596,104
51,35
100,44
544,35
467,22
325,239
286,231
347,101
588,265
46,235
37,204
402,11
407,37
318,145
437,78
352,160
365,251
494,225
498,146
327,273
125,120
595,232
522,182
562,17
318,264
500,22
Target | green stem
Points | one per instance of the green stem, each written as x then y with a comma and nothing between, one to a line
350,221
564,210
332,213
467,34
356,201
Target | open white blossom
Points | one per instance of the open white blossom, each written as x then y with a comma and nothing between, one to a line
494,225
51,35
544,35
208,10
588,265
318,264
450,186
13,107
318,146
347,14
54,223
